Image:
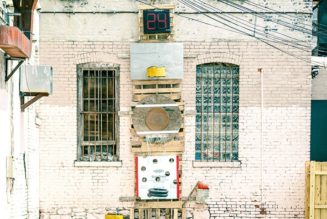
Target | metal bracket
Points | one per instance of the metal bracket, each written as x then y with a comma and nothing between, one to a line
31,101
21,61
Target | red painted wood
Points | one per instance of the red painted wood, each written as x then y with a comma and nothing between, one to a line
14,42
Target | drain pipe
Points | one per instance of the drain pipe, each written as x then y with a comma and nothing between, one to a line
261,132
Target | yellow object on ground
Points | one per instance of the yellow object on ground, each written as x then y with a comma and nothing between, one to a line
114,216
155,71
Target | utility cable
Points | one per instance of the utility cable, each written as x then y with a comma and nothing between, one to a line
265,34
264,41
246,23
229,22
231,29
282,22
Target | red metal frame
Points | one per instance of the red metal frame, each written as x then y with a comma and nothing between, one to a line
177,176
136,177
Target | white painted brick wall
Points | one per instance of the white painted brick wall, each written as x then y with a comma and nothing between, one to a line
17,130
319,91
270,180
4,140
286,116
14,203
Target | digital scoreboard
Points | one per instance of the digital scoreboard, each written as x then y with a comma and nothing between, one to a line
156,21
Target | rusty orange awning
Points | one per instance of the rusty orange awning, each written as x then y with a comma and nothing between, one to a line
14,42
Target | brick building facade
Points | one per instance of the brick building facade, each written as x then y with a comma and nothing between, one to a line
265,180
19,140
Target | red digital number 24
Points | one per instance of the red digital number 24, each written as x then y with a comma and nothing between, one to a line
159,18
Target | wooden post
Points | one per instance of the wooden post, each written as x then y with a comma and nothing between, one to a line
312,189
158,213
183,213
175,213
317,196
131,213
324,190
167,213
307,189
141,213
149,213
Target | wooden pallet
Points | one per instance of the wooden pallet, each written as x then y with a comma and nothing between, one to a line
316,190
158,209
170,88
140,146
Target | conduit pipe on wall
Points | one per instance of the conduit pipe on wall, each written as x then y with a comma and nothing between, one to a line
261,130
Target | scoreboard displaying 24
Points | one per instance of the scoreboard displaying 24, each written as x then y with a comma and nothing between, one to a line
156,21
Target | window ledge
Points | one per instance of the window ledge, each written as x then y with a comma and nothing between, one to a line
217,164
98,164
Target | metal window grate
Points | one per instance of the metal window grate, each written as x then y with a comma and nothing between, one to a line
217,106
98,114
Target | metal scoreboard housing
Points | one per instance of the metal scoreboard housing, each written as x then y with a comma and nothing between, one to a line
157,177
156,21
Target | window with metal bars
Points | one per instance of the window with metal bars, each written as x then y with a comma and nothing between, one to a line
98,107
217,107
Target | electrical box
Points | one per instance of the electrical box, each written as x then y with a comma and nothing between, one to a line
157,177
36,79
164,55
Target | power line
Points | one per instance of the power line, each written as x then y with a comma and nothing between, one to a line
262,32
247,31
263,41
282,22
232,29
285,16
246,23
260,39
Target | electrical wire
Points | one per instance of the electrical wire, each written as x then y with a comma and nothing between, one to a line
245,24
281,22
280,39
214,8
321,29
247,31
232,29
262,40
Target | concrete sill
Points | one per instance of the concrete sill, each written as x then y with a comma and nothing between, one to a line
98,164
210,164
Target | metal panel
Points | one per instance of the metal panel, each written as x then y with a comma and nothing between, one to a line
168,55
36,79
318,150
157,177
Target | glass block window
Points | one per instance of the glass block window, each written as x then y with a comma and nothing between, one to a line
98,113
217,107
